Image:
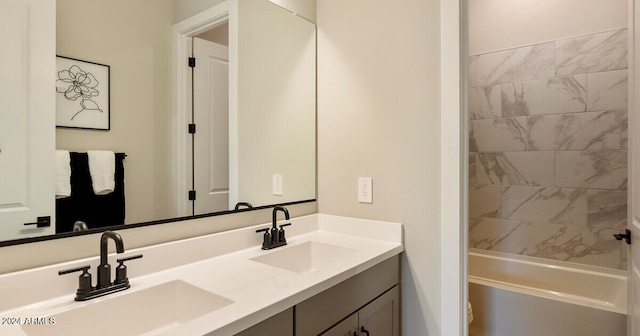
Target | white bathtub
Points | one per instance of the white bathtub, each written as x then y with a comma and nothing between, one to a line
514,295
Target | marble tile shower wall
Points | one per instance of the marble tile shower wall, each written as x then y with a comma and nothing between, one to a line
548,149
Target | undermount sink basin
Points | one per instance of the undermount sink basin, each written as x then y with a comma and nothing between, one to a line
306,257
145,312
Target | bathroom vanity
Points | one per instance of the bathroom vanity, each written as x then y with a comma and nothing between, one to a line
335,276
368,300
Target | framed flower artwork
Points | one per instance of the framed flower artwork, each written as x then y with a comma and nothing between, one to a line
82,94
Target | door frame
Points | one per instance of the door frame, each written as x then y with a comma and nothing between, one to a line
183,32
632,8
454,167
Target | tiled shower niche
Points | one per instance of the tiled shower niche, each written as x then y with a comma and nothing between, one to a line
548,149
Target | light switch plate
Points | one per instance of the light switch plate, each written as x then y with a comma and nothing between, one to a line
277,184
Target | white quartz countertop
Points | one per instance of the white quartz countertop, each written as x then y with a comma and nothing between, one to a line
220,264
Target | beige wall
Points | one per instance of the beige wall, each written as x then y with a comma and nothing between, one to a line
219,35
304,8
552,19
187,8
275,117
379,116
136,44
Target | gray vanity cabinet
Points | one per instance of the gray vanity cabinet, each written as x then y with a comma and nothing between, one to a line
381,317
370,299
371,296
277,325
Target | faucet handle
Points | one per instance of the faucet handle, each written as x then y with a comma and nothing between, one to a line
266,238
281,235
121,260
121,270
84,280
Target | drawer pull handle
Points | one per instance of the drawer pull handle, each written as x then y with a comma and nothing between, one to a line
44,221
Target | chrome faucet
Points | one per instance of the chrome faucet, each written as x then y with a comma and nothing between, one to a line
277,237
104,285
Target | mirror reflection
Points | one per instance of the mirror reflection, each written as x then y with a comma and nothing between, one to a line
253,106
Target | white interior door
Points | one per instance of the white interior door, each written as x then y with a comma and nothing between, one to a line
634,171
211,116
27,116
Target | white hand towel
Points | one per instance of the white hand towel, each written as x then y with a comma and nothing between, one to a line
63,174
102,168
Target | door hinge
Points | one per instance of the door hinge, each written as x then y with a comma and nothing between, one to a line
192,128
192,62
192,195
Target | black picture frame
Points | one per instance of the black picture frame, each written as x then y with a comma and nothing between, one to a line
82,94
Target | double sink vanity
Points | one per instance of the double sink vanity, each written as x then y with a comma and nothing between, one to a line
329,271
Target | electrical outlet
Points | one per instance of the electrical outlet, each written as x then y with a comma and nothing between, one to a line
277,184
365,190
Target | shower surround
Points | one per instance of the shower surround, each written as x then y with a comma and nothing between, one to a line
548,149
